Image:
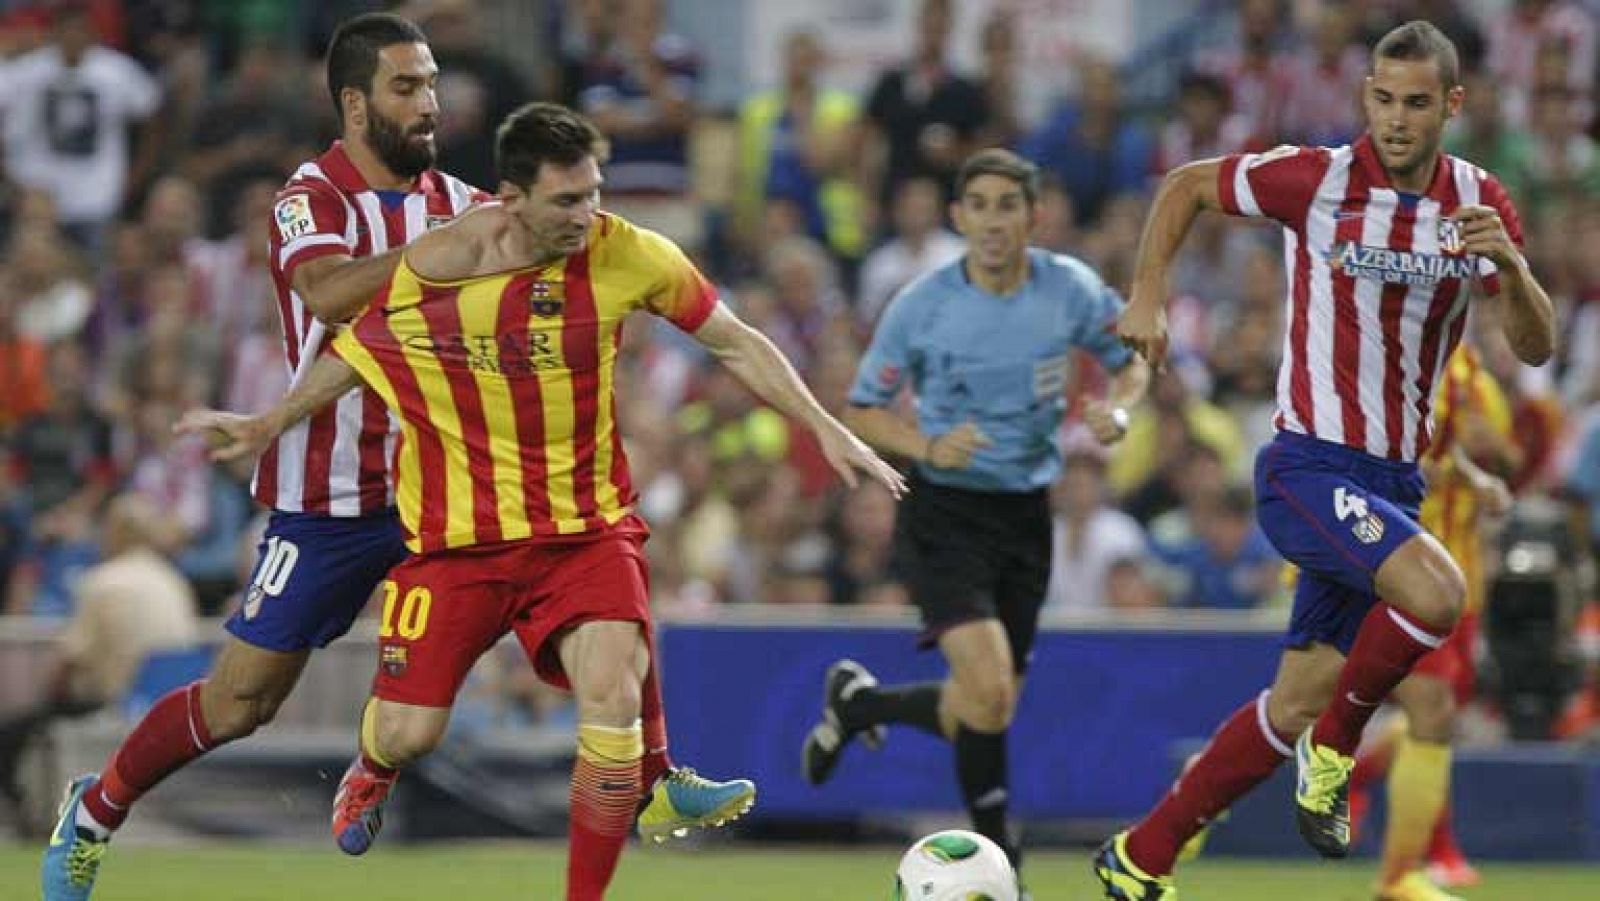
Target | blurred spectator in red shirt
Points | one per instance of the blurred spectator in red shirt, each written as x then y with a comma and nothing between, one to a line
22,364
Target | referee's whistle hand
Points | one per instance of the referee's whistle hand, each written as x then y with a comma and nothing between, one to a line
1104,423
956,448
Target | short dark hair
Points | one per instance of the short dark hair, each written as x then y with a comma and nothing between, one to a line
539,133
353,52
1001,162
1420,40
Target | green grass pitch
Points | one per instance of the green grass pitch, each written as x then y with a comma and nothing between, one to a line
459,872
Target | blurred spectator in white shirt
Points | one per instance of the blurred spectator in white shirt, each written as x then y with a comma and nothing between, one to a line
1089,536
920,245
68,107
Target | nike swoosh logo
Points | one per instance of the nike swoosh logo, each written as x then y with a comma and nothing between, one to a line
1351,697
618,786
390,311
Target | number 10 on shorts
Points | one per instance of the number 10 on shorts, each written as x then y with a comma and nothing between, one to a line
407,618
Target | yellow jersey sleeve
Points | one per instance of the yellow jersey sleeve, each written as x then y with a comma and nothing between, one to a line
674,289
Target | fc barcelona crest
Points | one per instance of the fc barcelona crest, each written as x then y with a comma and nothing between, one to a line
546,299
1450,243
394,660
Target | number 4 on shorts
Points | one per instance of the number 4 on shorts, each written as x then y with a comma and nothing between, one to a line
1345,504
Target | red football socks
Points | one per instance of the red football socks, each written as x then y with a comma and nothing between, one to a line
1389,643
1242,753
172,734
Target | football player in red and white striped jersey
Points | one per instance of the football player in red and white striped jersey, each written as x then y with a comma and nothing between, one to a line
1385,241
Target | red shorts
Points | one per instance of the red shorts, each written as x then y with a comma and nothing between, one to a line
443,610
1452,661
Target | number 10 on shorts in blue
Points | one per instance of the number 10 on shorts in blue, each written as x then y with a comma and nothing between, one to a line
313,576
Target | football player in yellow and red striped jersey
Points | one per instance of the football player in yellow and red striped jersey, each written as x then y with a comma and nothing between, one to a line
1472,426
495,343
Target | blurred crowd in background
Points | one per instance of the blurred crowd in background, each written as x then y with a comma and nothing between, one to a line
143,141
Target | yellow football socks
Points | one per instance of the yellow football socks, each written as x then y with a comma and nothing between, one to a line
369,736
1419,784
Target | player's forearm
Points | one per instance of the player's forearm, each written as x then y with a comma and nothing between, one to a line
767,372
1129,385
887,433
1172,213
1529,315
328,379
337,291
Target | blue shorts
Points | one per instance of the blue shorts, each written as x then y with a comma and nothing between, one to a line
1336,513
313,576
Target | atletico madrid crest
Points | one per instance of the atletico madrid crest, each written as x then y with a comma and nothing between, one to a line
1450,243
547,298
1368,529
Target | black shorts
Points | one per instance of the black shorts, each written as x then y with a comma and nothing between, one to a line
971,555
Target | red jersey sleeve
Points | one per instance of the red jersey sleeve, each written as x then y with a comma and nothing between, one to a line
1277,184
1494,195
309,219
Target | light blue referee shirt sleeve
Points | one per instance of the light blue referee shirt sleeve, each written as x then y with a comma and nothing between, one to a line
1004,363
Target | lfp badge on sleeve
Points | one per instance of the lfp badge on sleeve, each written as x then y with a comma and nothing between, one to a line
293,216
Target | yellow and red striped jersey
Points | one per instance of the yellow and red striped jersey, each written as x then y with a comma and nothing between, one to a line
504,386
1450,510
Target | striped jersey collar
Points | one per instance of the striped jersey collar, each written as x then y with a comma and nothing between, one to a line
336,164
1366,156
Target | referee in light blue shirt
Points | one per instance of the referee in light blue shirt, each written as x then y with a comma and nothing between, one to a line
986,344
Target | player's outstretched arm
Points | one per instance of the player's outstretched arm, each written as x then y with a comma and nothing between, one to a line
1184,192
764,370
233,436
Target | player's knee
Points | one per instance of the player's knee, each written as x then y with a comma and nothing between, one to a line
611,695
1434,592
991,706
1453,592
1442,599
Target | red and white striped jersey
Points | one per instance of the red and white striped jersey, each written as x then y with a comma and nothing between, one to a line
336,462
1378,286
